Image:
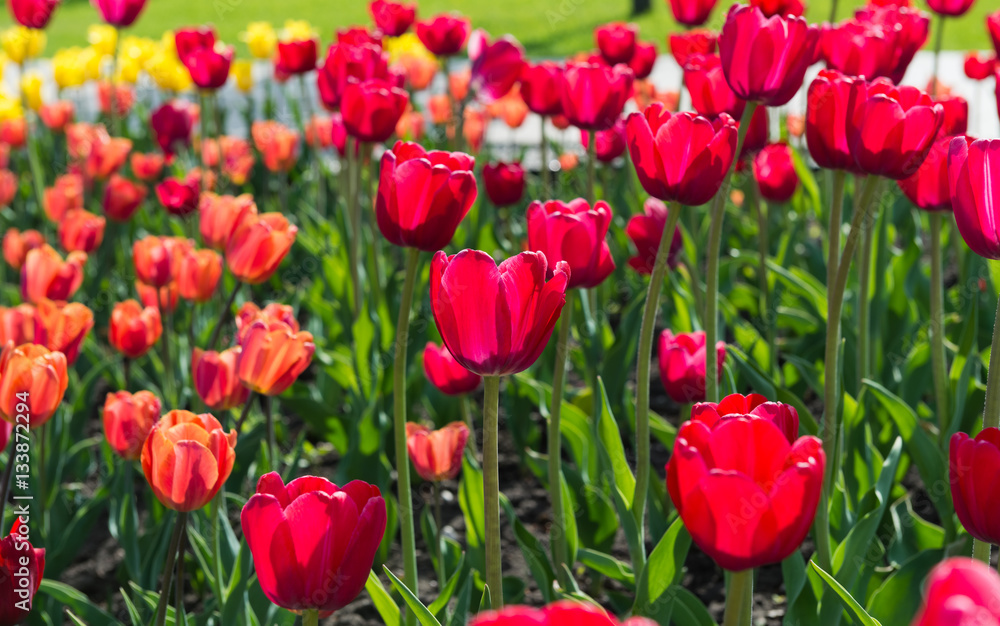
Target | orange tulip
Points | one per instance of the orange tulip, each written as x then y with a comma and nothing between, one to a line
510,108
272,313
14,132
107,157
319,132
419,70
124,98
198,274
440,107
134,329
163,298
258,246
568,161
410,126
81,138
16,245
458,84
273,356
57,115
277,143
215,379
32,382
64,196
237,159
186,459
128,418
437,454
474,129
17,324
80,230
157,259
146,167
62,327
8,187
46,275
221,215
122,198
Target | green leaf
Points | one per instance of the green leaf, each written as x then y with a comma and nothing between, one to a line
897,599
473,504
449,588
383,602
77,601
569,515
663,568
689,609
607,565
612,450
846,598
533,551
425,617
461,614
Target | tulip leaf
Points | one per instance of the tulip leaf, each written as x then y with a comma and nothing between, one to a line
571,534
663,568
473,504
607,565
448,590
486,603
612,450
133,612
461,613
689,609
76,620
77,601
759,381
424,616
846,598
533,551
897,599
384,604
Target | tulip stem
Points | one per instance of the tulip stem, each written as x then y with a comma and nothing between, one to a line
272,447
714,248
981,550
991,415
399,426
939,361
179,581
760,208
739,598
213,341
543,170
491,488
864,300
37,177
649,314
168,568
558,535
168,371
439,539
246,411
354,212
310,617
591,158
838,178
938,40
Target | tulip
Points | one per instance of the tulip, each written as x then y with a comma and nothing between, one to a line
979,67
242,73
127,419
171,125
928,188
643,60
774,170
608,144
260,39
19,561
973,463
563,613
164,299
81,230
540,87
423,196
392,18
273,356
445,373
122,198
16,245
437,454
444,34
826,120
911,27
33,14
710,93
682,365
951,8
215,379
296,57
646,231
593,96
198,275
504,182
359,36
698,41
124,96
46,275
62,327
258,245
13,132
186,459
274,312
960,591
859,48
510,108
313,543
319,132
410,126
237,159
17,324
277,143
220,216
119,13
106,157
681,157
188,40
572,233
33,382
770,8
8,187
955,120
372,109
345,64
616,41
157,259
134,329
57,115
496,66
179,196
745,469
784,416
765,59
993,25
209,67
890,129
691,12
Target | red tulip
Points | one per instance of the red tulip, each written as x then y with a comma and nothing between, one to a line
33,380
258,246
215,379
313,543
978,67
573,234
710,93
57,115
81,230
119,13
16,246
14,132
960,591
134,329
951,8
993,25
956,115
19,561
784,416
774,170
593,96
826,120
928,188
973,466
146,166
692,12
910,26
273,313
859,48
209,67
608,144
345,64
189,40
171,125
163,299
496,66
769,8
645,231
179,196
106,158
444,34
745,469
392,18
681,157
33,14
890,129
359,36
765,58
62,327
296,57
423,196
563,613
496,320
124,97
682,365
643,60
8,187
198,275
687,43
17,324
220,216
157,259
974,182
273,356
616,41
127,419
46,275
122,198
372,109
437,454
445,373
540,87
757,134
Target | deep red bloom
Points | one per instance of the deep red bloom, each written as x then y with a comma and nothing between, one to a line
956,115
344,64
645,231
171,126
682,364
826,120
563,613
710,93
973,467
687,43
951,8
745,469
444,34
119,13
784,416
978,67
774,170
188,40
974,182
616,41
179,196
423,196
540,87
911,27
33,14
296,57
573,233
372,109
19,561
890,129
928,187
215,379
960,590
504,182
437,454
859,48
359,36
209,67
681,157
122,198
593,96
608,144
765,58
392,18
692,12
496,320
313,543
496,66
769,8
447,374
127,419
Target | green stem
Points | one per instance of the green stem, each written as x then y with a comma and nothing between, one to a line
399,425
864,300
272,447
491,489
558,536
740,594
981,550
938,40
168,568
37,177
543,171
354,210
246,411
838,178
939,363
310,617
645,356
591,164
833,12
218,503
439,539
760,208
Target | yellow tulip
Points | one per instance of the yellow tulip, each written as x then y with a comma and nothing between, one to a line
139,48
128,69
91,59
20,43
242,71
168,72
31,87
10,108
260,39
406,45
297,30
68,67
103,38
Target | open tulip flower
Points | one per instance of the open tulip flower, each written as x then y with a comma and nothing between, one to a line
33,381
447,374
128,418
573,233
960,591
437,454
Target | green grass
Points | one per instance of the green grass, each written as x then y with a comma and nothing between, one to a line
545,27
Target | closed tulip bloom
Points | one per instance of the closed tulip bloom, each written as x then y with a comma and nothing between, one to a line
81,230
973,466
540,87
209,67
296,57
134,329
273,356
573,233
447,374
765,59
157,259
960,591
186,459
19,561
643,60
179,196
890,129
496,65
710,93
616,41
258,246
220,216
608,144
562,613
17,324
346,64
444,34
122,198
423,196
14,132
928,187
277,143
392,18
496,320
119,13
31,375
189,40
859,48
164,298
46,275
784,416
65,195
682,365
273,313
437,454
911,27
680,157
979,67
774,170
198,275
127,419
17,244
372,109
62,327
692,12
951,8
8,187
171,125
973,179
146,167
698,41
745,469
645,231
359,35
504,182
826,120
313,543
106,158
215,379
955,120
779,7
57,115
593,96
32,13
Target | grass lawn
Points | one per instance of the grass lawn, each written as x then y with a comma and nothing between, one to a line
545,27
